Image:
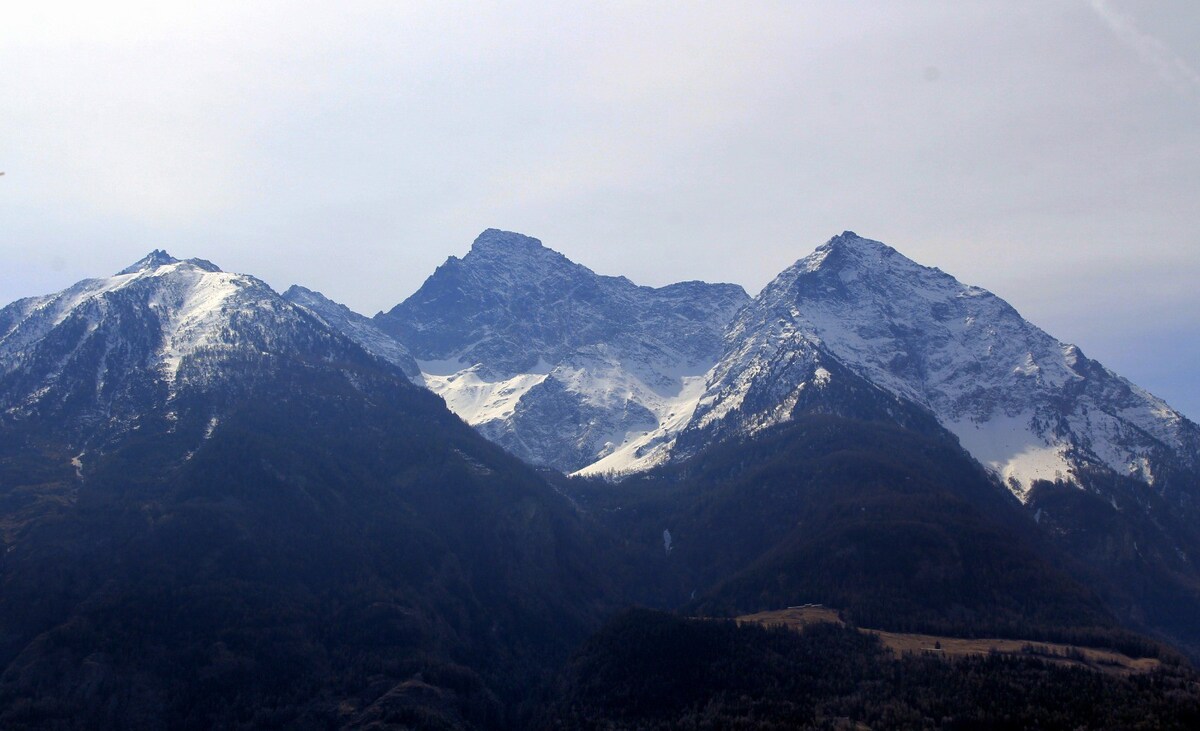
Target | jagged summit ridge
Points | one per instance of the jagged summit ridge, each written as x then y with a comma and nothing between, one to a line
847,252
495,242
155,258
159,258
511,301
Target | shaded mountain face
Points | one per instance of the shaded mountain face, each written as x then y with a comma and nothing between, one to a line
1024,404
512,302
217,511
563,367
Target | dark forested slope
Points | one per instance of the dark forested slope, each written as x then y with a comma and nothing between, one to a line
900,529
648,671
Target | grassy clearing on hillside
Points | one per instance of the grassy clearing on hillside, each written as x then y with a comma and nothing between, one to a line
1102,660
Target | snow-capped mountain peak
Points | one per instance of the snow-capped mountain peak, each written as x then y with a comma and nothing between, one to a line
560,364
153,260
594,373
106,350
1024,404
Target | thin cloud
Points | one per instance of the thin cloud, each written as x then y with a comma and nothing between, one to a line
1169,65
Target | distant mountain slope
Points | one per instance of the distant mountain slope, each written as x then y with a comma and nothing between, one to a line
358,328
563,367
217,511
1024,404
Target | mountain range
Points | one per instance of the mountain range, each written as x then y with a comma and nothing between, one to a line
592,374
203,478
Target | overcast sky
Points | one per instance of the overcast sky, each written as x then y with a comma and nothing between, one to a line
1047,150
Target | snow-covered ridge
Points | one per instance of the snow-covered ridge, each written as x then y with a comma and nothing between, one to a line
164,344
186,294
638,450
1024,404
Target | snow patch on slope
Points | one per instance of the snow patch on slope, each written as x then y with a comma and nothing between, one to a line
1014,451
641,450
596,380
473,398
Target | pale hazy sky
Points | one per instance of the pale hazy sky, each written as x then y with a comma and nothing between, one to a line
1047,150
